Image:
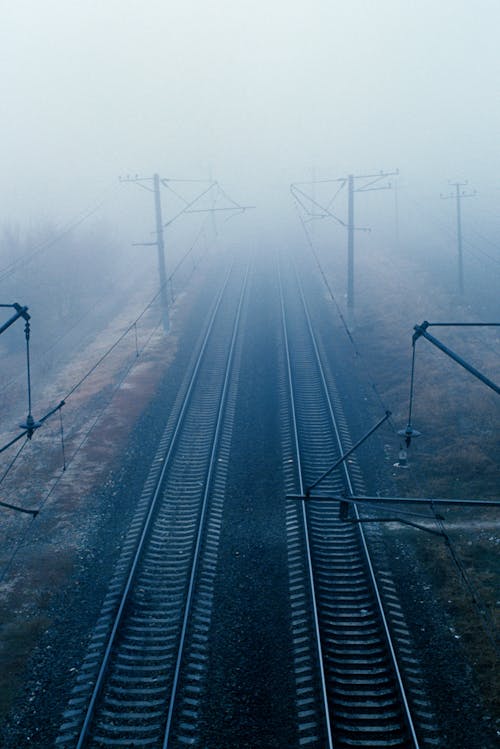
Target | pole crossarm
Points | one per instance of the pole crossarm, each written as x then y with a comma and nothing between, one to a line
458,192
421,331
188,204
138,181
374,179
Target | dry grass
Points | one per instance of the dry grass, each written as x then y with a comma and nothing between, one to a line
457,454
38,556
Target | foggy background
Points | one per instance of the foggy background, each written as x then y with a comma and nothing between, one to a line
256,95
258,92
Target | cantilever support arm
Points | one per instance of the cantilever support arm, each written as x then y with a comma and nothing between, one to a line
346,500
421,330
349,452
20,312
373,501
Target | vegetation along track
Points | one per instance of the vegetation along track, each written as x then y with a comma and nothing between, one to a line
236,617
350,677
150,644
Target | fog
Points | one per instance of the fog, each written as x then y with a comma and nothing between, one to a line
258,92
256,95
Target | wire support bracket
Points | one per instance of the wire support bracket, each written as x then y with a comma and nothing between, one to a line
367,500
421,331
347,454
21,311
36,425
346,500
24,510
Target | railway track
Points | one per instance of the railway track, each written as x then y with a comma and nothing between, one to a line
234,617
353,670
139,681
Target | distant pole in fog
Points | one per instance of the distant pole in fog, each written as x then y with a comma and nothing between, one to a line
372,184
310,205
314,178
396,213
350,242
458,195
160,243
214,202
189,205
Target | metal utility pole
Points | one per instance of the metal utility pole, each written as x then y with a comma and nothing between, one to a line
350,242
160,243
396,213
188,206
459,194
351,188
310,205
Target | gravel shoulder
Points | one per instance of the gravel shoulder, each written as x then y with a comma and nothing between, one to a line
56,566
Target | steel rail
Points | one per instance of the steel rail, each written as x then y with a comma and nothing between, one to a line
147,523
304,521
349,483
201,524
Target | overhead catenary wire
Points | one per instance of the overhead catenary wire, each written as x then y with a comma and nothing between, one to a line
485,616
63,231
483,237
131,326
67,463
9,505
56,340
475,597
189,251
96,420
344,321
480,607
471,248
12,442
188,205
115,389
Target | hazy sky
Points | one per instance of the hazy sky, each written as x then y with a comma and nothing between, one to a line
259,91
